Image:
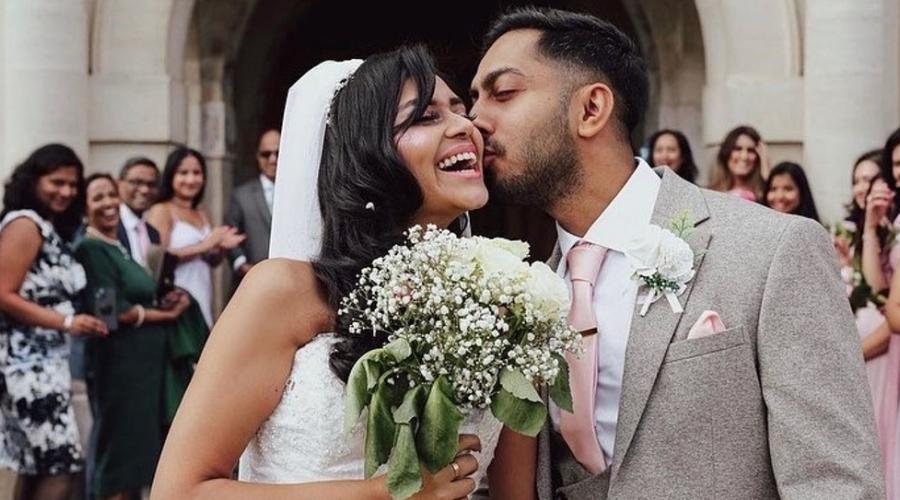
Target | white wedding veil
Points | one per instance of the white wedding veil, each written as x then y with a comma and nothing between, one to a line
296,217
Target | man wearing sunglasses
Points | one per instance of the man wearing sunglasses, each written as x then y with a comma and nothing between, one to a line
251,207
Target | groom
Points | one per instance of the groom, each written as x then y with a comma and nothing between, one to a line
765,395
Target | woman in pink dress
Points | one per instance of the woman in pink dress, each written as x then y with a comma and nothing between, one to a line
742,164
890,168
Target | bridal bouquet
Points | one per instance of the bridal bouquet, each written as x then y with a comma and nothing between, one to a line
470,327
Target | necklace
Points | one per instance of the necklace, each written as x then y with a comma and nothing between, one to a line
96,234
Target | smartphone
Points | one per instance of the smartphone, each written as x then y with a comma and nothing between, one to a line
105,307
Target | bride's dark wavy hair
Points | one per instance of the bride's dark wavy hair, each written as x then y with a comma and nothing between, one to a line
367,195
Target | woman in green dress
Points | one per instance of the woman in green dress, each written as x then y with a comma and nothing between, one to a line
125,371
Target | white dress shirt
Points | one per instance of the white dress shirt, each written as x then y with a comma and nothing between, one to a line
131,221
615,293
268,187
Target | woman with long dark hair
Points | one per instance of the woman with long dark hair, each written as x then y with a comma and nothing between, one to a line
888,405
397,149
39,281
740,164
787,191
671,148
185,229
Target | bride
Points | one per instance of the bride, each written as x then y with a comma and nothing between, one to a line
369,149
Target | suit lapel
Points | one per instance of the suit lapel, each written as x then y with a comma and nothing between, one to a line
261,205
650,335
122,235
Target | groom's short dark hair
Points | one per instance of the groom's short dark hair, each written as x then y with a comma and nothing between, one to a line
588,43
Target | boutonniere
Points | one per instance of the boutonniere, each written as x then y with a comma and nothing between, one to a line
662,262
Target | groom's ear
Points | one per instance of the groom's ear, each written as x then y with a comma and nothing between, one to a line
595,106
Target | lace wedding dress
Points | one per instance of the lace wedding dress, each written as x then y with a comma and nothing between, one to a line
303,439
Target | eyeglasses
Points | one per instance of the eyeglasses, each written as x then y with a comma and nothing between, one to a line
266,154
137,183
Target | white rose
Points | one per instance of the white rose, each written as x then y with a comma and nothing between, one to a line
642,250
498,259
675,259
463,259
516,247
548,290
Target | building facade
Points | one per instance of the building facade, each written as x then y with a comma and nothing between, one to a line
820,79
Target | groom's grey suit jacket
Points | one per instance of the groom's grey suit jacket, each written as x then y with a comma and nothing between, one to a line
777,406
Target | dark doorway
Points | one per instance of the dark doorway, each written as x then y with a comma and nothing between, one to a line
307,33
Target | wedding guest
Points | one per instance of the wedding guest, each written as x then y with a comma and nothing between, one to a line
890,160
138,187
886,398
185,229
787,191
883,196
740,164
670,148
124,370
39,280
250,211
847,234
876,231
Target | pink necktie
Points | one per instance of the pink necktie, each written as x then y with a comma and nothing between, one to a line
584,261
143,238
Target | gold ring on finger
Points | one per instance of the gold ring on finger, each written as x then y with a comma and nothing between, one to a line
455,467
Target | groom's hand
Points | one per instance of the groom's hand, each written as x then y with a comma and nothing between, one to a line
453,481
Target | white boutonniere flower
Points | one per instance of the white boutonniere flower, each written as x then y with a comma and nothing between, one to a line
662,262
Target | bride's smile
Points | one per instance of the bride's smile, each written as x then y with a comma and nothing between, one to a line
444,151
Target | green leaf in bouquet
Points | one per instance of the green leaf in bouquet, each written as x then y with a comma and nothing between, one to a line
399,349
363,377
411,407
361,382
404,478
438,435
515,383
379,429
521,415
560,392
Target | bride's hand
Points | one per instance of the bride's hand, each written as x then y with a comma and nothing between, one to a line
453,481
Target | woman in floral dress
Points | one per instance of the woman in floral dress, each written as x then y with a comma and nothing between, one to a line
39,280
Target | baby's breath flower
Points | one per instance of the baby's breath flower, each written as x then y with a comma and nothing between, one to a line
468,307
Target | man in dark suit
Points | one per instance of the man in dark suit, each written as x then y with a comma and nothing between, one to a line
138,188
250,210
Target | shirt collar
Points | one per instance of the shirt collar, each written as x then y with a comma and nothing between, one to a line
267,183
129,218
632,207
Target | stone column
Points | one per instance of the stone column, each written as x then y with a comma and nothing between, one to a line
43,77
844,94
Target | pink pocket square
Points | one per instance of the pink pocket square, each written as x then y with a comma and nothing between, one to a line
709,324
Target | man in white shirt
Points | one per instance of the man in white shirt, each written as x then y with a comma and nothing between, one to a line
745,382
138,189
250,210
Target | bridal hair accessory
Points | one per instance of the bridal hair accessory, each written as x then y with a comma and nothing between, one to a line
337,90
296,215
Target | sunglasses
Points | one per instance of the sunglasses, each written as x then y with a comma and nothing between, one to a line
266,154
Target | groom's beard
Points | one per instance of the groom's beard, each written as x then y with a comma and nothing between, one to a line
550,169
